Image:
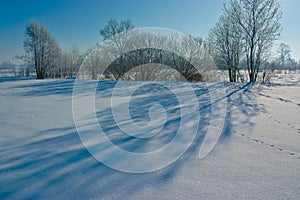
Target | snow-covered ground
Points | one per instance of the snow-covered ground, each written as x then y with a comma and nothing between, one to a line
256,157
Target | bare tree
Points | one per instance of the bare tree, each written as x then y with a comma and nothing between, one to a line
226,42
42,50
284,51
70,62
115,33
147,61
152,61
113,27
260,27
149,49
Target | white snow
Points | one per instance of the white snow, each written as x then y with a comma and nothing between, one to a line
42,156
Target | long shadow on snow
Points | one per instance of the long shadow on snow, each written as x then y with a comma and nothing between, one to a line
241,99
44,88
56,164
5,79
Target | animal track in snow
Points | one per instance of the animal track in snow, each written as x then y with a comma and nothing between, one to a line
266,144
277,98
279,122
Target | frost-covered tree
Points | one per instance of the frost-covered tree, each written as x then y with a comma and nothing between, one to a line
116,33
149,49
225,43
42,50
113,27
284,52
259,21
70,62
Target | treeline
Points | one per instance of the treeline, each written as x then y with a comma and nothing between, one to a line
132,56
242,39
43,52
50,62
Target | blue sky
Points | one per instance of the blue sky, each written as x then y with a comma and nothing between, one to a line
77,22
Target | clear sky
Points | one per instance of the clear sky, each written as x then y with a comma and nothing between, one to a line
77,22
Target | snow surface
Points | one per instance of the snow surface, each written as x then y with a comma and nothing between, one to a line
42,156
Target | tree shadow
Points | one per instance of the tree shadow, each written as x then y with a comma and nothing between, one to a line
6,79
55,163
242,107
37,88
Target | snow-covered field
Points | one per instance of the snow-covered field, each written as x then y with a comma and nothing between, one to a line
256,157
